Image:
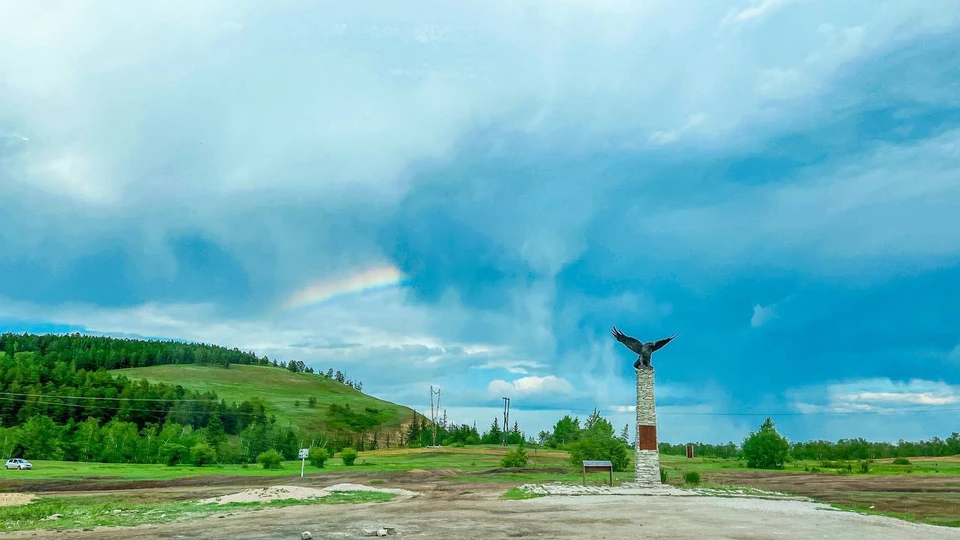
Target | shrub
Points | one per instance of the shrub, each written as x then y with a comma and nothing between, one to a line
692,477
348,455
271,459
765,448
203,454
171,454
664,475
231,453
514,458
901,461
318,456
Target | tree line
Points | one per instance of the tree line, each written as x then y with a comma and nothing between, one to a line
91,353
766,448
58,401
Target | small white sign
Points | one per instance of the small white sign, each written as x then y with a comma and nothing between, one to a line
304,453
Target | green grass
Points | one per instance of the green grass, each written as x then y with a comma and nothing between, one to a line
464,464
96,511
278,388
465,460
677,465
517,494
71,470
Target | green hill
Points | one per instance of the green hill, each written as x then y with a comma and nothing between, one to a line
280,390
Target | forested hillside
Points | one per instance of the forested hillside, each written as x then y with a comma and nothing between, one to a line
58,400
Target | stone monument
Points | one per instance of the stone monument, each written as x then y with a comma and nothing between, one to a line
647,466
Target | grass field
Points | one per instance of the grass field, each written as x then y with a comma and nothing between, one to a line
929,492
949,466
98,511
278,388
544,465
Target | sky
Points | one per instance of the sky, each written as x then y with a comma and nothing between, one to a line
471,196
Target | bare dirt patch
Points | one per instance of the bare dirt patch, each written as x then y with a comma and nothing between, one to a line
446,513
16,499
934,499
267,494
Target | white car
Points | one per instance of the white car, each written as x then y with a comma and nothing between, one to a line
19,464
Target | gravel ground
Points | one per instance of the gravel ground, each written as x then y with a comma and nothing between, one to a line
453,511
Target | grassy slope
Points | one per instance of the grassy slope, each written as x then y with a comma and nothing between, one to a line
279,388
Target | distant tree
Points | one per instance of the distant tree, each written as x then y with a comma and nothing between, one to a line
203,454
318,456
597,441
348,455
494,436
765,448
40,438
566,430
271,459
311,402
515,458
173,453
414,430
543,437
625,434
329,373
296,403
214,433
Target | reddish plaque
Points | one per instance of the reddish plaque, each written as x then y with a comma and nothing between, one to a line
647,439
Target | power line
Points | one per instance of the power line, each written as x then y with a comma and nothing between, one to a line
117,407
774,414
111,398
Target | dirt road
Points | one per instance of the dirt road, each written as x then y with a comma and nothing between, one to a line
474,511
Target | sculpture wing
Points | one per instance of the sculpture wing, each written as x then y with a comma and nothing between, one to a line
633,344
659,344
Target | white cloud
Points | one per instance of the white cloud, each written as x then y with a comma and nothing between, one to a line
526,386
762,315
519,367
759,10
877,395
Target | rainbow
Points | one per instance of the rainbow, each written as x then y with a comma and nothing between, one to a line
380,277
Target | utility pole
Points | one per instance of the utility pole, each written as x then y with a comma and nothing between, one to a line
433,412
506,419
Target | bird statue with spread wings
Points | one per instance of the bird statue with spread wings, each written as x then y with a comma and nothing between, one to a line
644,350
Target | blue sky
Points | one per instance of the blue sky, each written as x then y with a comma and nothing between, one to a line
777,180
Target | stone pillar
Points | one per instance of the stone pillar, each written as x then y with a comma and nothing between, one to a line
647,468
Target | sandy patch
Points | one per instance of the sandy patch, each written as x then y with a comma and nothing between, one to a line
273,493
300,493
16,499
361,487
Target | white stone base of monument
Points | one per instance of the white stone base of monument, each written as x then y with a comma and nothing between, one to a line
647,468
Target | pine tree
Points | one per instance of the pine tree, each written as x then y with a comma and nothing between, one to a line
214,432
414,430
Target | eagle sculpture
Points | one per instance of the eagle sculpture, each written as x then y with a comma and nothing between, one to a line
644,350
